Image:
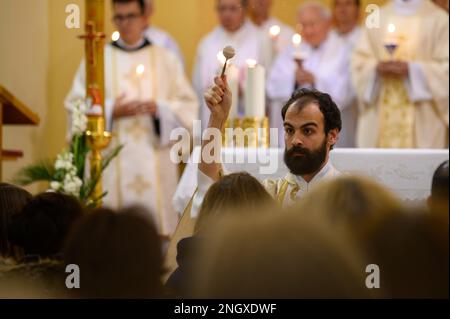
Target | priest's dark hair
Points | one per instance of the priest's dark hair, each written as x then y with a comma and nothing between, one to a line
303,97
140,2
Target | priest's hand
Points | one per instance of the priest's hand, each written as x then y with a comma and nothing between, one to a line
148,107
125,109
218,100
393,68
304,77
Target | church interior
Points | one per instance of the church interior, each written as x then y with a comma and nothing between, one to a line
339,190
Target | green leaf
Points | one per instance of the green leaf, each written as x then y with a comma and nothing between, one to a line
89,185
43,171
92,203
111,155
79,149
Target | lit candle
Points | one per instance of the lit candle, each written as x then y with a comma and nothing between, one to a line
390,42
255,90
299,56
115,36
140,69
274,31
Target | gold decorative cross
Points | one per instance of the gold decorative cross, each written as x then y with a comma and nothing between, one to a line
139,185
91,38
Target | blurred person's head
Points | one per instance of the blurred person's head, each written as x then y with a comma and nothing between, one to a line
312,122
43,278
233,194
314,22
352,203
411,254
346,14
118,254
44,223
276,256
231,13
12,201
260,10
130,19
438,200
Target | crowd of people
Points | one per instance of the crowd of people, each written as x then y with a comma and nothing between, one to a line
316,233
243,245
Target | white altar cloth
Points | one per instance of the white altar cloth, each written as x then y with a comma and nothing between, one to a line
407,172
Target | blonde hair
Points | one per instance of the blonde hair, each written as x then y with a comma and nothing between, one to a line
237,192
350,201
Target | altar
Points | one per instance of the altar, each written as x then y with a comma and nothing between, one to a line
406,172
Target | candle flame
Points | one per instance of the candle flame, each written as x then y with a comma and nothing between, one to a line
251,63
391,28
296,39
115,36
222,59
274,30
140,69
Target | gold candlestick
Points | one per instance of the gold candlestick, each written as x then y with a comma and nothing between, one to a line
256,132
98,138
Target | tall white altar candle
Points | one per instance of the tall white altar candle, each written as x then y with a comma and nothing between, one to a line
255,90
233,82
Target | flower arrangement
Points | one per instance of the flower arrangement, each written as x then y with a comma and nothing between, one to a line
67,173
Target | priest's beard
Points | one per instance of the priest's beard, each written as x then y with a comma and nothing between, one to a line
309,163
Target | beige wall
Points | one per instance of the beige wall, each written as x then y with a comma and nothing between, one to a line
39,57
23,70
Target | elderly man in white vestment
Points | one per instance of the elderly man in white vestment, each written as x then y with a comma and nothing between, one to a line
276,34
235,30
147,95
157,36
400,71
321,61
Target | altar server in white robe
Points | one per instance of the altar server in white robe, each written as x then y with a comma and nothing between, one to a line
346,15
147,95
276,34
404,97
158,36
235,30
325,66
